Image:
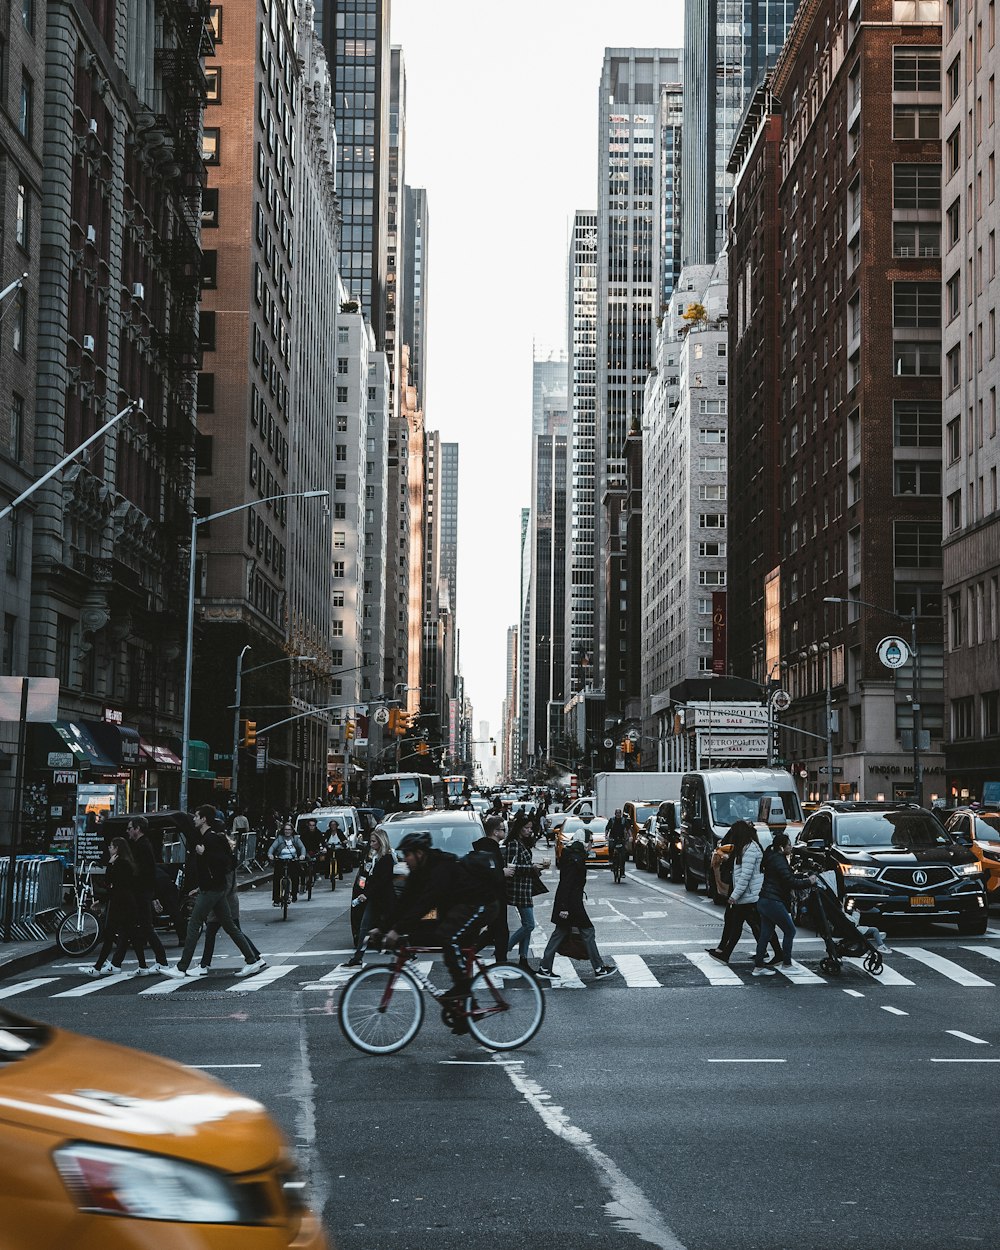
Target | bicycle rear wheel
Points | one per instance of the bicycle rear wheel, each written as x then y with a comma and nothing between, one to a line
310,877
78,933
286,894
505,1007
381,1010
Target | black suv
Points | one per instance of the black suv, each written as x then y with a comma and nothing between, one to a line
896,860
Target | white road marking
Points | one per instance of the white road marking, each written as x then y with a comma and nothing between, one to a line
628,1207
953,971
92,987
888,976
854,993
24,986
894,1011
746,1060
798,974
466,1063
635,972
212,1066
569,978
965,1061
715,972
260,979
169,985
991,952
967,1037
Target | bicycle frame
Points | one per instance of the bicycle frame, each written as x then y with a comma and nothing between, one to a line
405,958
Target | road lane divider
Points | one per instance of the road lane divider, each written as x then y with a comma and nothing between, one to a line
894,1011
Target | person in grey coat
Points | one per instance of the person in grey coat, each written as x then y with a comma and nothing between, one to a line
741,907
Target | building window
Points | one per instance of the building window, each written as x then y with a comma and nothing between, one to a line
916,238
711,549
712,436
711,577
916,359
954,511
339,540
340,511
206,392
916,11
209,269
213,77
13,543
210,145
916,186
337,629
917,477
953,295
338,571
954,440
917,544
15,433
22,214
916,69
209,207
341,394
963,718
19,330
342,425
916,422
916,304
203,444
341,451
206,330
7,650
337,598
340,481
914,121
711,492
342,365
64,640
24,110
712,520
990,705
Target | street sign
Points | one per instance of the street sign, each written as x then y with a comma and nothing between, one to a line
893,652
781,700
608,743
825,772
65,778
221,755
61,759
381,716
261,759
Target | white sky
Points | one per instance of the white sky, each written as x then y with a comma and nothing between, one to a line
501,128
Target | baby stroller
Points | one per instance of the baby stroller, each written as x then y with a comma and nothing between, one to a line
841,936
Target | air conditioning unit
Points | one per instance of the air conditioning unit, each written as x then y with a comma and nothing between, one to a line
92,127
138,291
91,234
88,343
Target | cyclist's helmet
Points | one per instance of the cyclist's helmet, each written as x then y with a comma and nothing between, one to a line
419,840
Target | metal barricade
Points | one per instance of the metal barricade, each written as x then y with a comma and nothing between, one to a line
38,887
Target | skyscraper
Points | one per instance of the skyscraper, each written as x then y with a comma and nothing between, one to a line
547,625
728,44
414,282
582,401
630,224
548,390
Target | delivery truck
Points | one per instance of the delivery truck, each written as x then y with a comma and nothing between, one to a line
614,790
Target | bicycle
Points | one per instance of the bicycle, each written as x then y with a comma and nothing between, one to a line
79,931
285,888
307,877
618,862
382,1006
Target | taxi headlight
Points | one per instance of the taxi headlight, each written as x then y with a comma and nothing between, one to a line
108,1181
968,870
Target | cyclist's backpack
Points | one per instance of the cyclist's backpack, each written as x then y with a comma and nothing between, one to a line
477,876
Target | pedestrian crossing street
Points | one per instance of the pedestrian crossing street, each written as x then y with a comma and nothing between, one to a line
974,966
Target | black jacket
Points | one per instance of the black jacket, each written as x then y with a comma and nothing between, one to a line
430,886
213,866
616,830
378,889
493,849
569,892
779,880
145,862
123,894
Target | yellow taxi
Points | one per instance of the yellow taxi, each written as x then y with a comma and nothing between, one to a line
980,831
106,1148
591,830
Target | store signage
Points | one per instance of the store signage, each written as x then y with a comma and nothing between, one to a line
65,778
113,716
726,715
61,759
731,746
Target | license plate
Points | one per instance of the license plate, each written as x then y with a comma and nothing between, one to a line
921,900
591,854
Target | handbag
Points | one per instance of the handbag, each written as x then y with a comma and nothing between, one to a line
573,947
538,886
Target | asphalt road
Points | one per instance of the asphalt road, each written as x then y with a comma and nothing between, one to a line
771,1114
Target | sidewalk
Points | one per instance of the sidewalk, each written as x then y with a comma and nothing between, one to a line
17,957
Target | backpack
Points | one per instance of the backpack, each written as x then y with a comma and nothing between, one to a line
477,877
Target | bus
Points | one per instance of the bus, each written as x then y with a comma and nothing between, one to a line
401,792
456,790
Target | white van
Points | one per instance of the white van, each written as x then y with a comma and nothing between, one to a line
712,800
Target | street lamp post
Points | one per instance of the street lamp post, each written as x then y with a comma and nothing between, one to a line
918,787
189,652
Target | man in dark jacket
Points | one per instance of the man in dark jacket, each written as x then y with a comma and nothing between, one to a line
490,845
568,913
145,864
213,862
463,902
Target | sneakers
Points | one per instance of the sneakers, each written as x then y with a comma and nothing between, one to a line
547,973
883,949
172,970
601,973
774,960
788,964
249,969
353,962
148,971
122,974
717,954
96,972
161,968
524,965
199,970
763,971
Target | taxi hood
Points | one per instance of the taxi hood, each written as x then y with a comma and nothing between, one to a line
80,1089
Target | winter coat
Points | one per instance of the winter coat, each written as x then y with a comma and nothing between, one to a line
213,866
747,878
779,880
378,888
519,885
429,887
145,863
123,895
569,892
492,848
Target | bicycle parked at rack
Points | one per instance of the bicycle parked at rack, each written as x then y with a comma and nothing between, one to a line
79,932
382,1006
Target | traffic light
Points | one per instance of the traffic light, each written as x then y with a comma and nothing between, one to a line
422,748
249,733
349,731
628,746
405,722
494,742
394,725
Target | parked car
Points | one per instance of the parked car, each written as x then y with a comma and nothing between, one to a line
635,813
980,831
668,858
644,845
897,861
589,829
108,1146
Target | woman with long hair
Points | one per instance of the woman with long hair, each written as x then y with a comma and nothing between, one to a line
775,902
517,853
741,908
376,893
121,924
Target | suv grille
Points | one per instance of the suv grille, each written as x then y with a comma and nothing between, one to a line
904,877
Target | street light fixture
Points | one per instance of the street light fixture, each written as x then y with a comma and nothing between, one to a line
240,673
918,788
189,653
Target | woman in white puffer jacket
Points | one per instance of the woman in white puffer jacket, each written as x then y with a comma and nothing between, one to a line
741,908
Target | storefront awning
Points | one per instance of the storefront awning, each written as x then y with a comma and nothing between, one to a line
199,760
86,750
157,756
120,742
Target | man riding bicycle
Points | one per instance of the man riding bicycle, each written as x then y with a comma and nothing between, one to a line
461,892
616,842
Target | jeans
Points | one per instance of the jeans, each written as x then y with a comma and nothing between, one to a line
737,915
209,901
774,914
522,936
589,940
215,924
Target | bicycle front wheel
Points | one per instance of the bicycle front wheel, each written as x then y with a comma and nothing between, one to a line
505,1007
381,1010
78,933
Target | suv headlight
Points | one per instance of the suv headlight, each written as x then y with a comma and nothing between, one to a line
968,870
109,1181
858,870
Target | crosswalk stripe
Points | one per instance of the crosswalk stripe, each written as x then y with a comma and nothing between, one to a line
569,978
635,972
168,985
798,974
260,979
92,987
953,971
10,990
717,973
888,976
991,952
